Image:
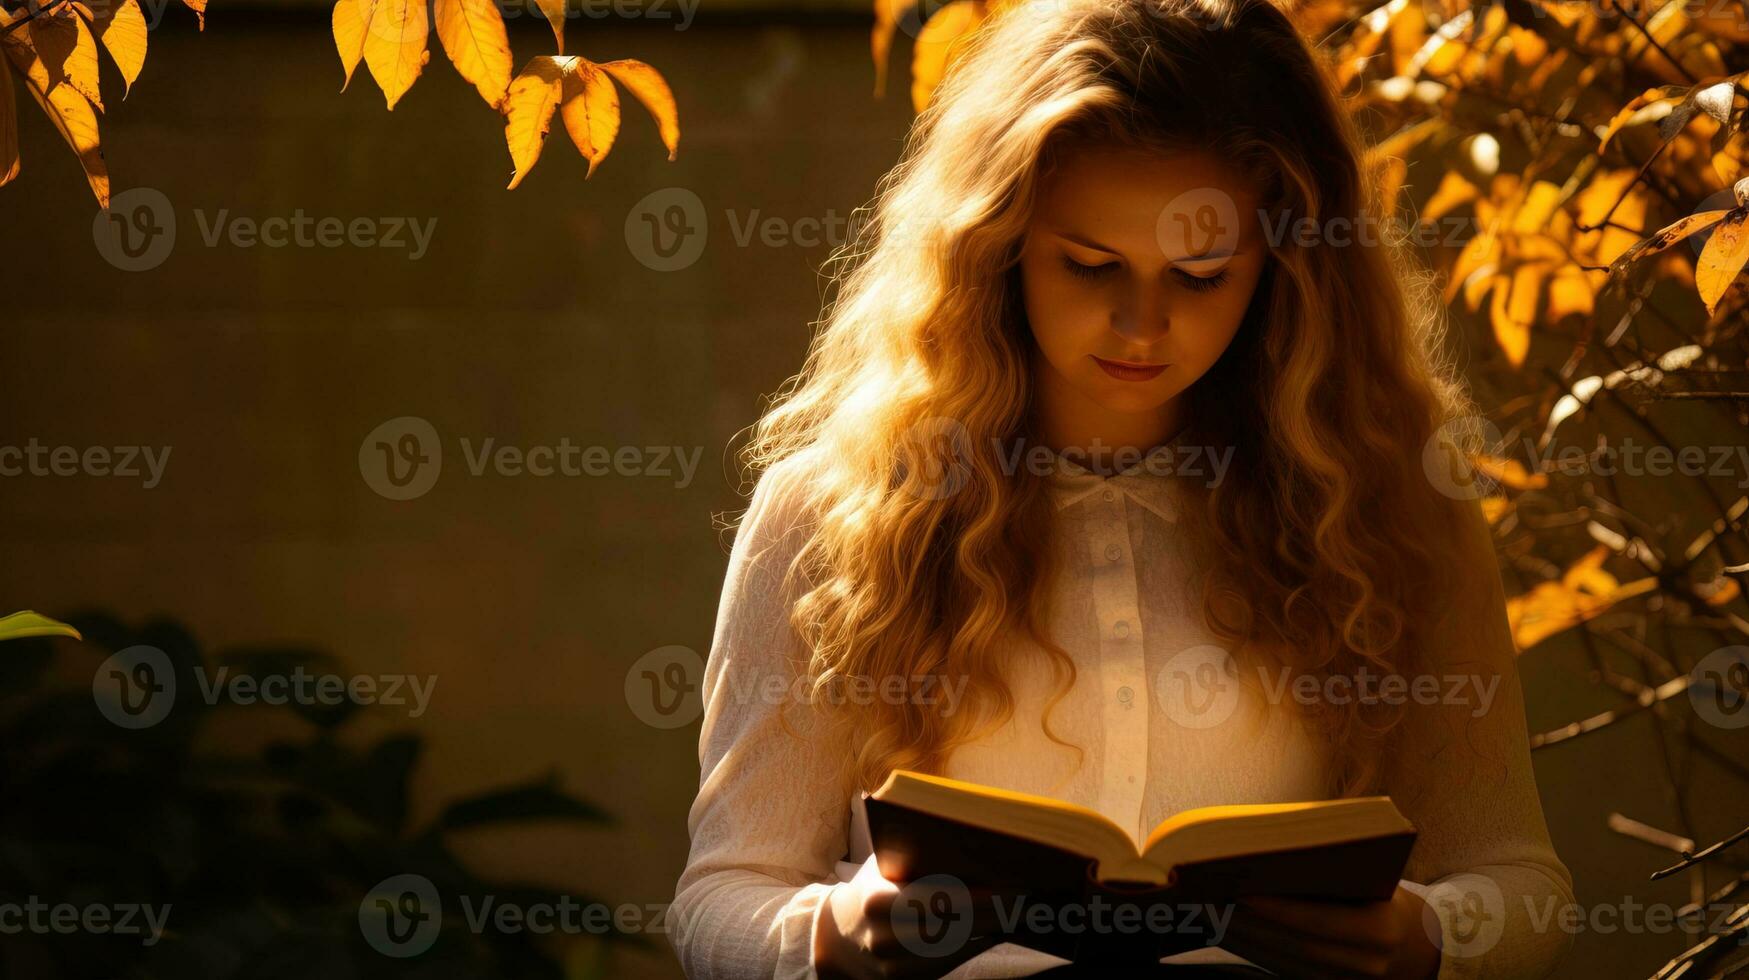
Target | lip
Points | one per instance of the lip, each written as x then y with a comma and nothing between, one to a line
1129,370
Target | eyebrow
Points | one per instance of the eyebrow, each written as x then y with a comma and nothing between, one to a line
1090,243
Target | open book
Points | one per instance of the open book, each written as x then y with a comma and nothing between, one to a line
1053,851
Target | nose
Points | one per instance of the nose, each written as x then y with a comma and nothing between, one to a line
1143,315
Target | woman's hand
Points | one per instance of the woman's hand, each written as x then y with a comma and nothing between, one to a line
865,932
1303,938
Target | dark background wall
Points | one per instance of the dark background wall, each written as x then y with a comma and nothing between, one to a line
529,320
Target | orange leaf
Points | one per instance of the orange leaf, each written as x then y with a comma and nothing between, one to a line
9,162
1509,472
472,34
880,38
71,114
528,112
648,86
590,108
1584,592
68,51
121,28
937,46
1722,259
555,11
389,35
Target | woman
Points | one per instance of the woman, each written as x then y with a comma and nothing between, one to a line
1116,474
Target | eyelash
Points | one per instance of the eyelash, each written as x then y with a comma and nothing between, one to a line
1201,284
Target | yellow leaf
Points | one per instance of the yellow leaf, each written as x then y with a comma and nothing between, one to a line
22,624
1539,203
9,161
472,33
71,114
590,108
389,35
648,86
1453,191
1494,508
68,51
1513,309
1570,294
1722,259
555,11
528,112
121,28
1583,593
1509,472
880,38
937,46
199,8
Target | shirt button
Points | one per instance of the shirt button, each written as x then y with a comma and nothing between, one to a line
1113,552
1124,694
1109,495
1122,629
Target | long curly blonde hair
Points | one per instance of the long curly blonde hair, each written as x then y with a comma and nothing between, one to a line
1324,539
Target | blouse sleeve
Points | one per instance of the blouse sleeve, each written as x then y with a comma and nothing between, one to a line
769,822
1462,774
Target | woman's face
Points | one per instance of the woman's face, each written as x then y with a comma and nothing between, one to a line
1136,272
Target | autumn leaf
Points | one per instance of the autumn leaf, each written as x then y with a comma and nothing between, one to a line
1666,237
555,11
938,43
1584,592
648,86
589,104
880,39
69,111
1509,472
528,112
199,8
22,624
121,29
472,34
389,36
68,52
591,107
9,160
1722,259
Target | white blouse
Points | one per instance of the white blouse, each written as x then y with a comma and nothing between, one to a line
772,833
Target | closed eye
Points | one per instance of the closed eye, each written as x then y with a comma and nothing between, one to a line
1198,283
1087,271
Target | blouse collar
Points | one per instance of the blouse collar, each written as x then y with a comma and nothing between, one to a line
1148,481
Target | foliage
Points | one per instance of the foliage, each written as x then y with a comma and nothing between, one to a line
51,48
263,860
